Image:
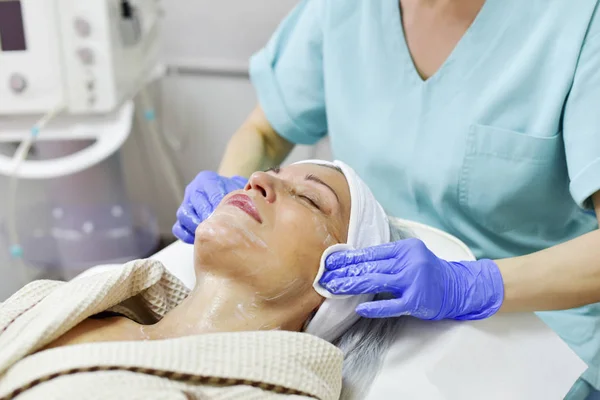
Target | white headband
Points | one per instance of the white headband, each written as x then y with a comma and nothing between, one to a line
369,226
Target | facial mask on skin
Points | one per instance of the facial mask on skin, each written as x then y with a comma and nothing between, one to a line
369,226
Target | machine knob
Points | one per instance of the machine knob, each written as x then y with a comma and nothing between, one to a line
86,55
18,83
83,27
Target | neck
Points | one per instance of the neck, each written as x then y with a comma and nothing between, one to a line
218,304
445,4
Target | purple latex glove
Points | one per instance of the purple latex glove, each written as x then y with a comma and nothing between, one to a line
423,285
201,198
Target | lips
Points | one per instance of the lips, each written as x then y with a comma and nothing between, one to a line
245,204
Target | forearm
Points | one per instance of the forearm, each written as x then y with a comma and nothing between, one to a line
255,146
561,277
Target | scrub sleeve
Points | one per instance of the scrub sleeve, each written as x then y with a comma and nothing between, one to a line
581,123
288,76
581,132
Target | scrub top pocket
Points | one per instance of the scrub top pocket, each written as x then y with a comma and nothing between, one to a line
509,179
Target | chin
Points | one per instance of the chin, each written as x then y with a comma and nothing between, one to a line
209,238
231,229
223,239
218,227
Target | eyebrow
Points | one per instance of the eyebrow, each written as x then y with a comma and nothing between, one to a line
313,178
316,179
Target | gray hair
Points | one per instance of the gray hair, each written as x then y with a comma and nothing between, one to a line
364,345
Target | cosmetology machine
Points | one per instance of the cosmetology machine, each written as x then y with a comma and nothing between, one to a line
70,71
85,57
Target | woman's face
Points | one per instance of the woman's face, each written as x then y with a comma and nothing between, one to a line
272,233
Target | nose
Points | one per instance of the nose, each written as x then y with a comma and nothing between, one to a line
264,184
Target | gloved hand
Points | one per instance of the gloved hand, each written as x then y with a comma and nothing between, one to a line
201,198
423,285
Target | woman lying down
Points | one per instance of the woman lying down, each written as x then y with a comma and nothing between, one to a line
255,326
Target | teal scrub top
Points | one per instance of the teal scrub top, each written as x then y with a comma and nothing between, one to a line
500,147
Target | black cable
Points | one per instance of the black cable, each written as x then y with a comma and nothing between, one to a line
126,9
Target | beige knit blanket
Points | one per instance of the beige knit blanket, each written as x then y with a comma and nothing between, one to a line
245,365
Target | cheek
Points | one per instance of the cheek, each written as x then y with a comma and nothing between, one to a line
302,240
301,223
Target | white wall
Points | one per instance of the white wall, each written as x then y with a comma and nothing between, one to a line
224,30
200,110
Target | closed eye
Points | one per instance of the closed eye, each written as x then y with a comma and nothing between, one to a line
311,201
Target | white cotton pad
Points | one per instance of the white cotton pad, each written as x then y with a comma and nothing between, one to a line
320,289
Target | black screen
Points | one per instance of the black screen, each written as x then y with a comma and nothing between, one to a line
12,31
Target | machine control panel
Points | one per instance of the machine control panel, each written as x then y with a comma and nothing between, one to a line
31,77
88,56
